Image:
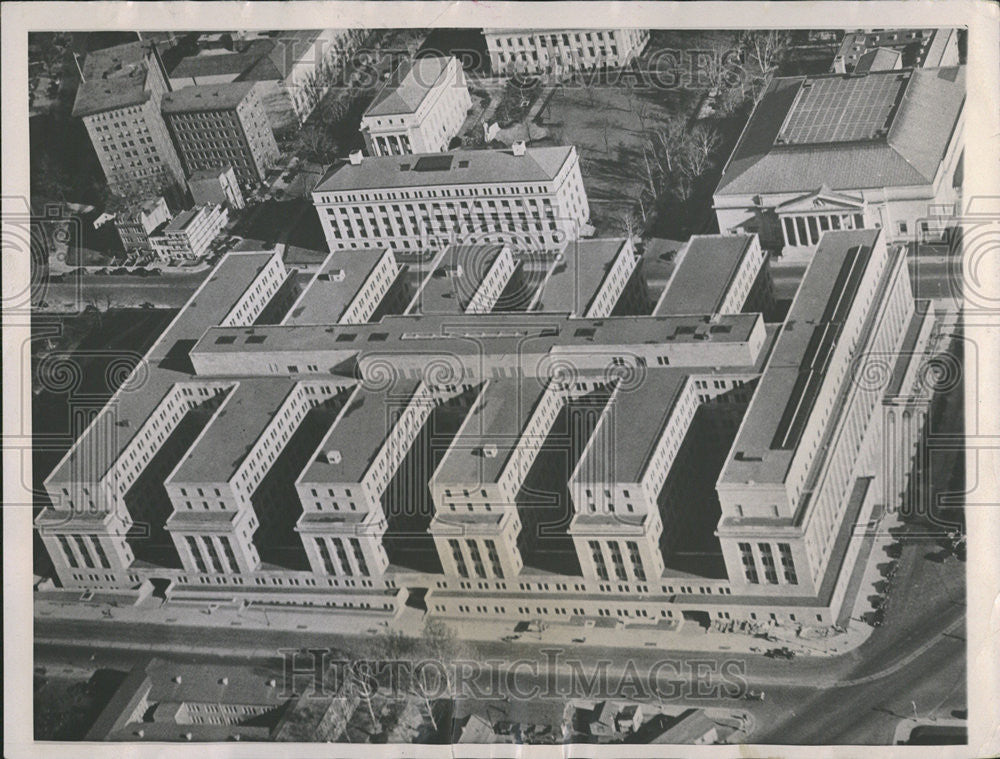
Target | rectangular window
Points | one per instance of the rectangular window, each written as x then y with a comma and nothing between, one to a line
70,556
749,566
636,559
227,549
101,556
342,556
213,555
477,559
195,553
83,551
456,554
617,560
788,563
359,556
324,553
767,560
491,552
598,556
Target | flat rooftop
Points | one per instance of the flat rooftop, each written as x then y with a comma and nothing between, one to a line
505,407
703,275
574,280
631,426
409,84
359,432
233,430
786,393
457,274
458,167
334,287
206,97
113,78
102,442
500,332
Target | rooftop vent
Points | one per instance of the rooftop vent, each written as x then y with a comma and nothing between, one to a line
519,148
337,275
355,157
490,451
331,456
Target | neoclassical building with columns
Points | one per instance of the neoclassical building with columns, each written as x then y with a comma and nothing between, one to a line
837,151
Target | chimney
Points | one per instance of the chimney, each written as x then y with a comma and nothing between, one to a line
332,456
490,451
337,275
519,147
355,157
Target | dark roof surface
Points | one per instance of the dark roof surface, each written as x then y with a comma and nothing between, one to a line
206,97
704,274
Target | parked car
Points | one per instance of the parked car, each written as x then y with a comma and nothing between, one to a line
780,653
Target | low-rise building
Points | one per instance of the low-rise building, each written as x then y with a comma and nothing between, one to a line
219,124
560,51
347,289
136,224
190,233
216,185
534,196
419,109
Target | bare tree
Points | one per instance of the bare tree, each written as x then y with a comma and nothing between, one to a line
761,53
629,222
438,646
361,681
704,141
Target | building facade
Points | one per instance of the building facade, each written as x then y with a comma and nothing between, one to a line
561,51
190,233
219,125
882,150
419,110
531,195
216,185
136,224
119,102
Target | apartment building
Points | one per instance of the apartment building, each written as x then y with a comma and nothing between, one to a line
119,102
295,67
222,124
414,202
820,153
217,186
900,48
190,233
419,109
135,225
799,477
561,51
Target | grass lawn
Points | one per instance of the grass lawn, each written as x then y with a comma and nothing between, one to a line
606,124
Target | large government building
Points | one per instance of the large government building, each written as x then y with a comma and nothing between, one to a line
413,202
470,454
838,151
